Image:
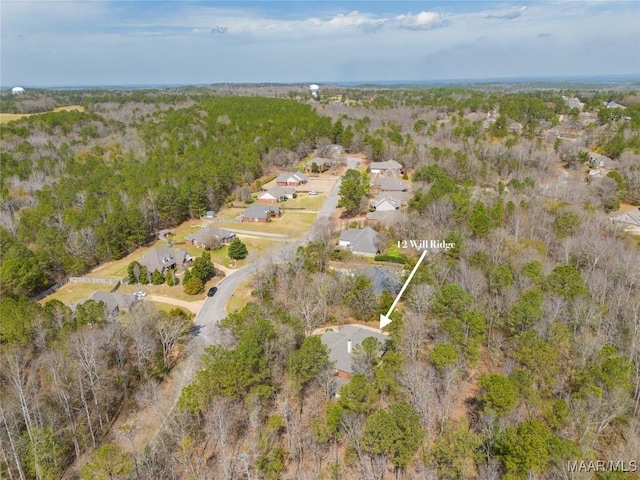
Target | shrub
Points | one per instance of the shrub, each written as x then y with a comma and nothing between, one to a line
194,286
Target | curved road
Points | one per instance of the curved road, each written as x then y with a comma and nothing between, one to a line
148,422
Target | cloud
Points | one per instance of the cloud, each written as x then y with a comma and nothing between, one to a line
544,35
219,30
508,14
421,21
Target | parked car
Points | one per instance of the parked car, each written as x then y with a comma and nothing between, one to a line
140,294
313,192
212,291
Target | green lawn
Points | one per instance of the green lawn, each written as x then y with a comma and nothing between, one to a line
74,291
292,224
312,202
241,296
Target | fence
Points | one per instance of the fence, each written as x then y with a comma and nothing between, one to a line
222,220
116,282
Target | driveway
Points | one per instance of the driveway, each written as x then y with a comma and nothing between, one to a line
149,420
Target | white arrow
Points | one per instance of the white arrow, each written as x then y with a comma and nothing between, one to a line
384,319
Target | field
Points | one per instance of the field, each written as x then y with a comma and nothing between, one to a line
74,291
10,117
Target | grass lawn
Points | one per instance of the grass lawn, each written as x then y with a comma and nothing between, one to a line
292,224
74,291
241,296
167,291
165,307
10,117
118,268
312,202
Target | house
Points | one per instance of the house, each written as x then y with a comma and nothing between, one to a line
629,220
516,127
277,194
361,241
207,237
164,234
385,203
291,179
164,258
115,302
390,184
573,102
381,279
388,218
594,174
260,213
599,161
390,167
342,343
613,105
17,91
321,165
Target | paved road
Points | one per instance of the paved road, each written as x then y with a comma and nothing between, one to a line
214,308
330,204
211,312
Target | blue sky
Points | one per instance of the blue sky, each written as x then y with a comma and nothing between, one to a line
66,43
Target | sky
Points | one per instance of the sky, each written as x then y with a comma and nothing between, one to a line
100,43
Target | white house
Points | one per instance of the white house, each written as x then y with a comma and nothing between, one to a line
17,90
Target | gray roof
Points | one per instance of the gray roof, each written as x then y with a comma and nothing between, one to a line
113,301
287,176
630,218
280,192
388,199
381,278
260,211
336,342
164,257
391,183
400,197
387,165
207,233
390,217
361,239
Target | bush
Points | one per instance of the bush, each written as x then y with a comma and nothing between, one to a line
144,275
194,286
391,258
157,278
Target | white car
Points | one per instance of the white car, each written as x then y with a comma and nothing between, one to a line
140,294
313,192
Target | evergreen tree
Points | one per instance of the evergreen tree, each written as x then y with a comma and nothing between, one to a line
479,221
193,286
237,250
203,268
354,188
157,278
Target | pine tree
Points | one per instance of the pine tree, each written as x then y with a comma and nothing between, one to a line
237,250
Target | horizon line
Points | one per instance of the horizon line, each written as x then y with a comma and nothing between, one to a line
604,78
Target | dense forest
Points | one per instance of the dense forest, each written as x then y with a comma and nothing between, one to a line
80,188
512,354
